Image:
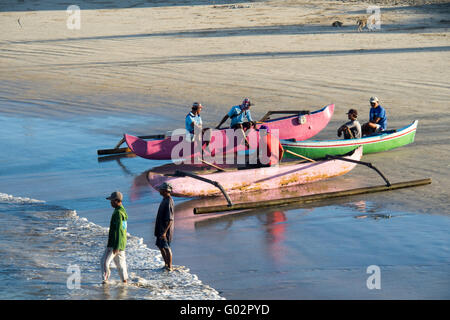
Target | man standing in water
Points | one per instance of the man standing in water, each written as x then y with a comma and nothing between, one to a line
117,240
164,225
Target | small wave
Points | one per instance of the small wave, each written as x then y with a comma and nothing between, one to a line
47,239
144,264
6,198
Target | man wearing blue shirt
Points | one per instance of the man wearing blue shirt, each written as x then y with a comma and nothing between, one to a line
240,115
377,118
193,118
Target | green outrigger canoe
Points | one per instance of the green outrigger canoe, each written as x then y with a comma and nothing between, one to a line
387,140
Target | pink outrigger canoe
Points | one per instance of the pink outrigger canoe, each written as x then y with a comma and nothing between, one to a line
257,179
297,127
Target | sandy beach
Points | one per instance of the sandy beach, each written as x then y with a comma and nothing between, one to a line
143,63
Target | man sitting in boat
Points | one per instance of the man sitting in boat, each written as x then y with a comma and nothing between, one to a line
193,122
240,116
377,118
194,126
351,129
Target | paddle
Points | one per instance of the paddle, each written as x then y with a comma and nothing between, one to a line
300,156
213,165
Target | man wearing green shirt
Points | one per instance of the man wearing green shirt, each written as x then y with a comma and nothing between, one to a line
117,240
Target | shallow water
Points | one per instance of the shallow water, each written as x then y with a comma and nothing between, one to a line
42,238
43,245
319,251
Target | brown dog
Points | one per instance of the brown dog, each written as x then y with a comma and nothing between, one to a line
362,23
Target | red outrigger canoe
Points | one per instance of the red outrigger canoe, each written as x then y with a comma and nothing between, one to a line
298,127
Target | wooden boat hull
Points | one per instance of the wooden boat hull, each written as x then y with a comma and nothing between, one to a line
316,149
292,127
256,179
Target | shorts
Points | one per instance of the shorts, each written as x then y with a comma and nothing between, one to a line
236,126
378,128
162,244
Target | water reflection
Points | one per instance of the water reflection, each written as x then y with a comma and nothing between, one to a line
119,292
368,209
275,227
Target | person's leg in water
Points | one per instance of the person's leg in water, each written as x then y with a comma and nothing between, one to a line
168,258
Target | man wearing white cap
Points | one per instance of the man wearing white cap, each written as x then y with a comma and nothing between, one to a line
117,240
377,118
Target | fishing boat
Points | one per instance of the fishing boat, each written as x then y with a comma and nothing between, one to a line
257,179
386,140
300,126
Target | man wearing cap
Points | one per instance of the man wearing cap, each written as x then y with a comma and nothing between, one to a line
241,119
193,120
164,224
240,115
117,239
351,129
194,126
377,118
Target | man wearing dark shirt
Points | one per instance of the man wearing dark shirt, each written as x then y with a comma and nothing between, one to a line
164,224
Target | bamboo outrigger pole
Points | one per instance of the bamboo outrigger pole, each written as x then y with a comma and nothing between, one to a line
179,173
311,198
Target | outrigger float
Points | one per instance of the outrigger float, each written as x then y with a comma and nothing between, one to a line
190,184
184,183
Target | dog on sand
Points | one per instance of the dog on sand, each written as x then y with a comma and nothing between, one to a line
368,23
362,23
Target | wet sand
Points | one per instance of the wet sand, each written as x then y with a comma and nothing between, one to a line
151,62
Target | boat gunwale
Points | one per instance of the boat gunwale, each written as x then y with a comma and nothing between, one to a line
296,115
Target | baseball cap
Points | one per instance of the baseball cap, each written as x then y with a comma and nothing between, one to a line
116,195
247,102
373,99
165,186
